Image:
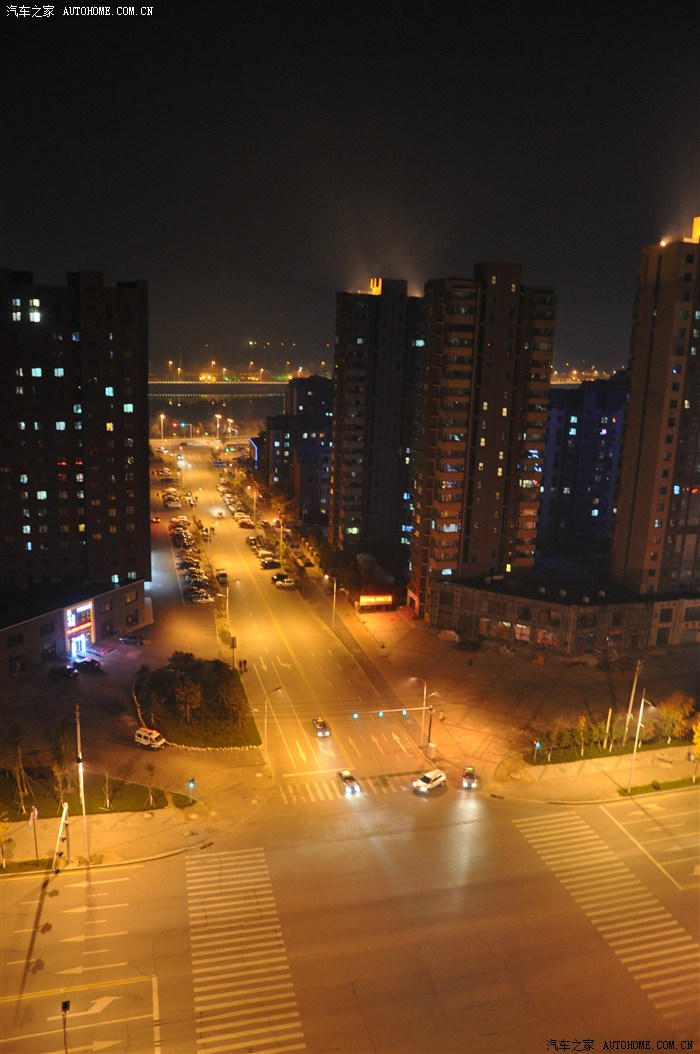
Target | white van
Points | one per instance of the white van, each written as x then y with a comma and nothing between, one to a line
148,737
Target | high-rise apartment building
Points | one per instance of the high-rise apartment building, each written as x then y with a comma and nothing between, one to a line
299,447
377,336
480,428
584,432
656,537
74,406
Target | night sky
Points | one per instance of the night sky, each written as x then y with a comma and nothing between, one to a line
250,160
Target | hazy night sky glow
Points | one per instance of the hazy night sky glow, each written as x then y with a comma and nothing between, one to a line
250,161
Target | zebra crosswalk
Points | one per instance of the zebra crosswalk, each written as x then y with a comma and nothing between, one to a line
659,954
243,993
331,790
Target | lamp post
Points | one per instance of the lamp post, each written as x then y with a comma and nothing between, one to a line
631,702
636,740
218,423
423,710
335,587
162,418
81,780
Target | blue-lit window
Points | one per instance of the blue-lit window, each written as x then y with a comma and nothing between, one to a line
77,408
128,408
59,371
109,391
36,371
75,336
676,490
60,426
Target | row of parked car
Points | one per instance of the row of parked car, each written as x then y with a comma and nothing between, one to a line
235,507
269,562
196,584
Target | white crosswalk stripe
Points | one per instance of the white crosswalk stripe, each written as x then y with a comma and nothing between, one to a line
661,956
330,790
243,993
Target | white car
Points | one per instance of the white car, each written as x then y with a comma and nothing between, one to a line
429,780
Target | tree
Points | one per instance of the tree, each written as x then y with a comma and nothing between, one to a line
60,779
672,719
150,770
181,661
21,778
582,731
153,702
189,698
696,744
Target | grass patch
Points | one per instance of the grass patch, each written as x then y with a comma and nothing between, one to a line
198,703
656,785
564,755
43,793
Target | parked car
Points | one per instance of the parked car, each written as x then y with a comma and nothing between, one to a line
132,638
270,565
429,780
280,576
148,737
286,583
63,671
87,665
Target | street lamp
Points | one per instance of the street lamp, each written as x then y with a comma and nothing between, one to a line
162,418
218,422
254,491
643,702
423,709
335,588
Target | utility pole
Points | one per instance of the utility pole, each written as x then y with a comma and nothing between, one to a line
631,702
81,780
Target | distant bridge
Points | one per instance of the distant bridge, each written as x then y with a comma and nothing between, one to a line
197,390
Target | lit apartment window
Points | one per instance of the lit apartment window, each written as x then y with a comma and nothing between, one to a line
75,336
35,316
16,302
41,495
109,391
60,426
109,426
36,371
128,408
59,371
16,316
